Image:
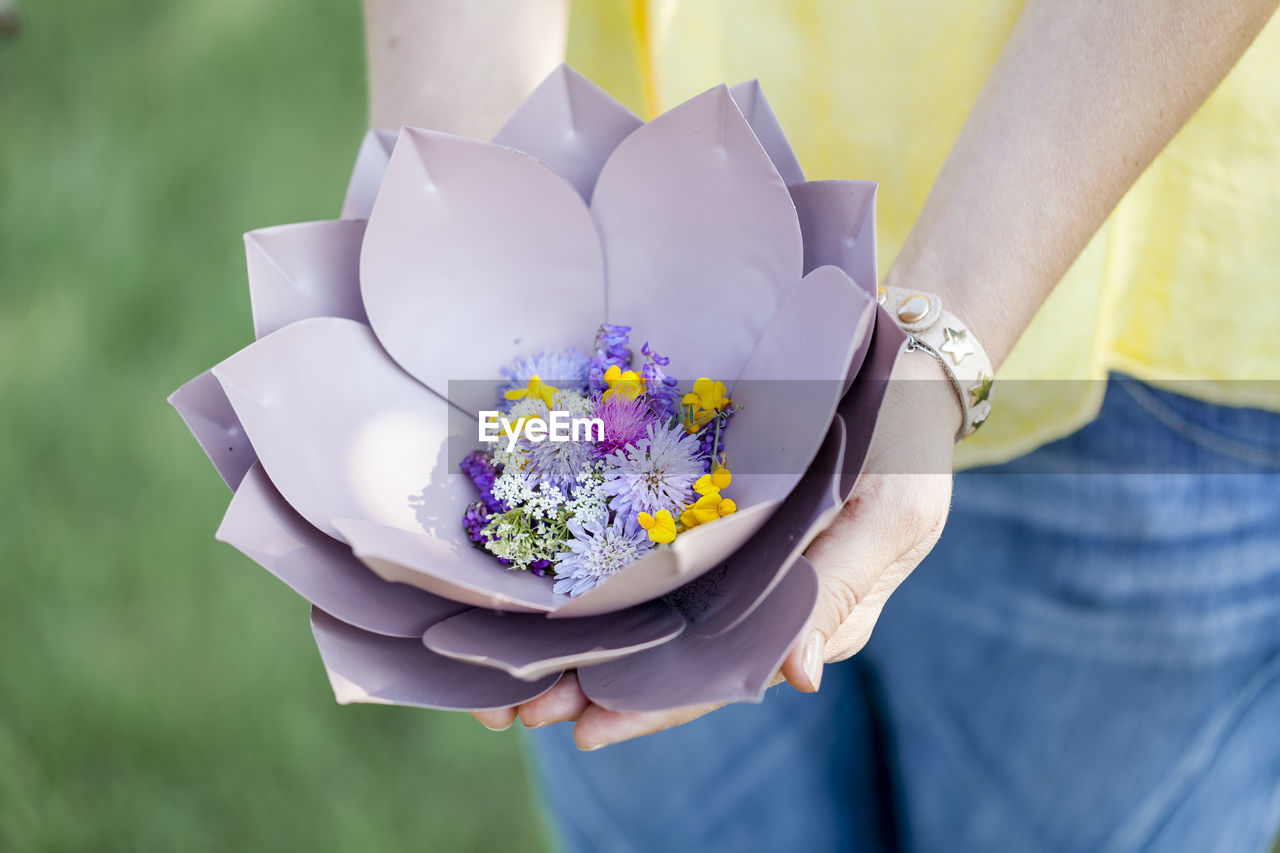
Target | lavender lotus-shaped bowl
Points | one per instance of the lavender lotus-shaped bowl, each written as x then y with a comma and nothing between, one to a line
453,257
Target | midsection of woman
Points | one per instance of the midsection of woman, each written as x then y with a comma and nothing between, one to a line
1179,283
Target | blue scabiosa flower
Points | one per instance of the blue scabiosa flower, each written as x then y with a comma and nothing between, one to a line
558,463
566,369
655,473
597,551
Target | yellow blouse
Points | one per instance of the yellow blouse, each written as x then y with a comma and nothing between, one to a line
1180,283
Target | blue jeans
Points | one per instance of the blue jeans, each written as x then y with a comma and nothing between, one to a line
1087,661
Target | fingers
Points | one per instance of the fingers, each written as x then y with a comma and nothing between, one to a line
599,727
855,631
563,702
887,528
496,719
803,664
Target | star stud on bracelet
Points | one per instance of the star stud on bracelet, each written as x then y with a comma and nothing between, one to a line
981,392
957,345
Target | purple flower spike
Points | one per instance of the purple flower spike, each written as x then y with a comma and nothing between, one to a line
610,349
479,467
663,390
576,215
475,519
711,436
611,344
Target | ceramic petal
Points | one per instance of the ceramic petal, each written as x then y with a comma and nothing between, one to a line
341,430
261,525
838,220
476,254
860,407
530,647
205,410
701,238
764,124
449,567
366,667
366,177
789,388
572,125
692,670
311,269
720,599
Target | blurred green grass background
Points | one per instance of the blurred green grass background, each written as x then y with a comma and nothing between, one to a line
158,691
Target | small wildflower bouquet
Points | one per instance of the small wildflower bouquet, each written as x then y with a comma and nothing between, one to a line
460,552
648,465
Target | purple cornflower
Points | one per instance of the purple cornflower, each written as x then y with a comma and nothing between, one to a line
596,552
610,349
657,472
626,421
478,465
663,390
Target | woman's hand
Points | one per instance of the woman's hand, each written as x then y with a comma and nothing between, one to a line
891,521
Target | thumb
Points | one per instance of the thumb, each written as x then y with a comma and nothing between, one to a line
842,552
884,531
835,603
803,665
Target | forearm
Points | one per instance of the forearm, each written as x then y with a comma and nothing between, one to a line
1083,97
458,65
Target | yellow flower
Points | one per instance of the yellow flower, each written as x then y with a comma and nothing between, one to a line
707,395
704,402
711,504
706,509
661,527
537,389
628,384
718,479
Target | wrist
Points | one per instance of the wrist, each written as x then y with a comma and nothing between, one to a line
945,339
981,308
926,392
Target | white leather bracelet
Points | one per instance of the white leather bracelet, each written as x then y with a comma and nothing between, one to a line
932,329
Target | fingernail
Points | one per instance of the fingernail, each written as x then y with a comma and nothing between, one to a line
592,748
537,725
812,659
497,728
